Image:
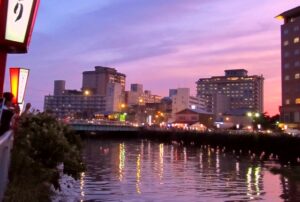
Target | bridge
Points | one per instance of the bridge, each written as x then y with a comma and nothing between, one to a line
91,127
6,143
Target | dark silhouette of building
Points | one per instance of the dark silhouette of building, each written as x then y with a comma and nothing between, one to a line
290,57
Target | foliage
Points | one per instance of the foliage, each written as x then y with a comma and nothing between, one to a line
267,121
41,144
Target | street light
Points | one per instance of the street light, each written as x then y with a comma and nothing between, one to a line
259,126
249,114
87,92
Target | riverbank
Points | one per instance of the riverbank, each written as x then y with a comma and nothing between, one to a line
283,148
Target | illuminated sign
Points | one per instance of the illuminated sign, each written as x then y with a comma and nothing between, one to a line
18,82
18,15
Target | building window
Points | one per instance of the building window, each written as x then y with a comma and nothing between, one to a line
297,101
296,28
287,77
286,54
297,117
285,32
286,66
297,64
286,43
287,101
296,40
297,76
297,52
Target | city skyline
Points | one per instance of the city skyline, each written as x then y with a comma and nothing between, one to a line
141,38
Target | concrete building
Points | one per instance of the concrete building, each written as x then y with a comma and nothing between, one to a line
59,87
114,98
97,81
103,93
181,99
138,88
290,68
137,96
190,117
234,91
75,106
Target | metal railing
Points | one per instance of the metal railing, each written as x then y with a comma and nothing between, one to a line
6,143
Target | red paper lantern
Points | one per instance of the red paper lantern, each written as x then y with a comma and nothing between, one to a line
18,83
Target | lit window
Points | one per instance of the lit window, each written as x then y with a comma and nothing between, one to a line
287,101
297,101
296,40
287,77
297,76
285,43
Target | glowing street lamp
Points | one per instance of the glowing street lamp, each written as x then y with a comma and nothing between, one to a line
259,126
18,83
87,93
17,19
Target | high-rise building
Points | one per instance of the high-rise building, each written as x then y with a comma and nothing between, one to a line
290,67
97,81
236,92
59,87
135,87
103,93
136,96
181,99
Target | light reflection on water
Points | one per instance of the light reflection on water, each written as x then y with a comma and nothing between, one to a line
149,171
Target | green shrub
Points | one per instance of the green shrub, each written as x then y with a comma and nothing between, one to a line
41,143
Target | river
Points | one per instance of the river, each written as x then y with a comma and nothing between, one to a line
145,171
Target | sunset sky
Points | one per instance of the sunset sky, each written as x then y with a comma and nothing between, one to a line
160,43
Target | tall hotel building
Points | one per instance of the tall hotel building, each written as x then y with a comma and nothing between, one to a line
235,93
290,67
97,81
102,93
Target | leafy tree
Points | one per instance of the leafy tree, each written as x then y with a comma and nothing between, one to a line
41,143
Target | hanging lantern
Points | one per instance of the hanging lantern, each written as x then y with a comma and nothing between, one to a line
17,18
18,82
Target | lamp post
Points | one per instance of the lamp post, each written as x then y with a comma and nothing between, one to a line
253,117
17,19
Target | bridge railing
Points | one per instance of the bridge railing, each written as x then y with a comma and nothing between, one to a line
6,143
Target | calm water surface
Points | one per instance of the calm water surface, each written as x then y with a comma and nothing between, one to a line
149,171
